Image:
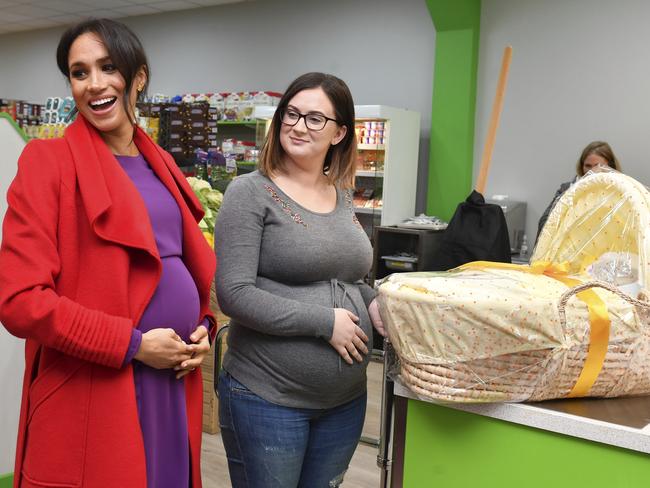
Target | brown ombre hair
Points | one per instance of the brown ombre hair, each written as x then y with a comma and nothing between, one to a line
601,149
339,165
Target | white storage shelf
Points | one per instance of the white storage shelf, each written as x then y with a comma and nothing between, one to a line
370,174
401,147
371,147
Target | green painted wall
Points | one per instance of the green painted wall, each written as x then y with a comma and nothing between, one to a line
457,24
449,448
6,480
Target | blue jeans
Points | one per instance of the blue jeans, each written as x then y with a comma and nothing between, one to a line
271,446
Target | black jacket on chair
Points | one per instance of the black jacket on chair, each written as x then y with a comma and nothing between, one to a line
476,232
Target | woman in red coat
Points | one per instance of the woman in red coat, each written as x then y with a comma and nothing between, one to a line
105,273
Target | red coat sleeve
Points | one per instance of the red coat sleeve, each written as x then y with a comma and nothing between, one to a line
29,265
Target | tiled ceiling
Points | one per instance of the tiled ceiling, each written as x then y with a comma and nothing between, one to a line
24,15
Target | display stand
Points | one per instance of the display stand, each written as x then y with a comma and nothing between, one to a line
12,142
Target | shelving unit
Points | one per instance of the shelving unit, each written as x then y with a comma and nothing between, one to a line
390,241
251,123
371,147
395,182
370,174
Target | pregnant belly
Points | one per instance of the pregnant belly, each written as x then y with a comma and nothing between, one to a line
175,303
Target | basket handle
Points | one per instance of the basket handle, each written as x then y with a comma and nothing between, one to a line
596,284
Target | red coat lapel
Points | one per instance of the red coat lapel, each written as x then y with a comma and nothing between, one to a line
116,210
113,204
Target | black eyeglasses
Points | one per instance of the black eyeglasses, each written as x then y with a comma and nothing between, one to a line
312,121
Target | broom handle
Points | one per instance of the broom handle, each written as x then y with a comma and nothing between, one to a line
494,121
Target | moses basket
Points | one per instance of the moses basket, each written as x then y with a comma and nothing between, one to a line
575,322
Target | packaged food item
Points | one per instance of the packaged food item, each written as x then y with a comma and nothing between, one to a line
252,155
245,106
228,146
267,98
223,169
216,100
231,110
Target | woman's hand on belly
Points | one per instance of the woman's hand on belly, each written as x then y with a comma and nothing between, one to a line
163,349
348,338
200,347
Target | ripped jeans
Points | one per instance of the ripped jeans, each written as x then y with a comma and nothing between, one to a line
271,446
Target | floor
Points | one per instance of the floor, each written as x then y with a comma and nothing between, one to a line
363,471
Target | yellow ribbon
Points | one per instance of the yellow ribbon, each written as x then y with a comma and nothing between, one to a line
598,316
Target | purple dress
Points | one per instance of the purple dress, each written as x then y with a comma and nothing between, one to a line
175,304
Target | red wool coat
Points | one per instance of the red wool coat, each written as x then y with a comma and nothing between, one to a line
78,266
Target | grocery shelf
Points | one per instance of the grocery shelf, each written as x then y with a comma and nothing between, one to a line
236,122
371,147
371,174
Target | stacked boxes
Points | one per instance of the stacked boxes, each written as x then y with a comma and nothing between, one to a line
192,123
195,120
186,127
211,127
172,131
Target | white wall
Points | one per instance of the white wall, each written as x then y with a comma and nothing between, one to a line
12,363
580,72
383,49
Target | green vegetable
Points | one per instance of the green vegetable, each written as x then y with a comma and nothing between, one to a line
210,201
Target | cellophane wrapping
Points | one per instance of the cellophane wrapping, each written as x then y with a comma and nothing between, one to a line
518,333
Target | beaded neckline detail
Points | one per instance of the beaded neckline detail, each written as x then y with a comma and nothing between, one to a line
286,207
348,204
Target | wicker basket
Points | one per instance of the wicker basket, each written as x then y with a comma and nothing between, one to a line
498,335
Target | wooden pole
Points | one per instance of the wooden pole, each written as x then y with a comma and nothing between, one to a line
494,121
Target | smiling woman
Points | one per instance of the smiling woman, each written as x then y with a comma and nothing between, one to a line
108,71
106,274
291,280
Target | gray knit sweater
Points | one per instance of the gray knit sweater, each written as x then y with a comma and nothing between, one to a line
282,269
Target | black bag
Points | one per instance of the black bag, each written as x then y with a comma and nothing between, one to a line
476,232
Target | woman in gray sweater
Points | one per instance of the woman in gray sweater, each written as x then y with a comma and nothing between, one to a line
291,259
